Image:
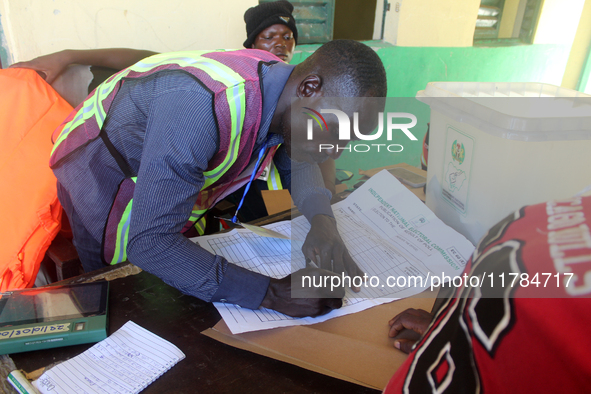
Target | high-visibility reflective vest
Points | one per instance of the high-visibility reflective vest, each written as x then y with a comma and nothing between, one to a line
233,77
273,178
31,214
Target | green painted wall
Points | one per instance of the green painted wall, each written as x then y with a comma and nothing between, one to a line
409,69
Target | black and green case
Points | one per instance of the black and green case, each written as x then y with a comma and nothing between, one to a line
53,316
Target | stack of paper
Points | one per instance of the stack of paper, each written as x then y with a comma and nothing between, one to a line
394,238
126,362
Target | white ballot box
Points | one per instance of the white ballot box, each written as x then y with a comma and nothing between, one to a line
495,147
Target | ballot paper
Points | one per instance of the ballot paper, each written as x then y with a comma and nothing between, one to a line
401,246
126,362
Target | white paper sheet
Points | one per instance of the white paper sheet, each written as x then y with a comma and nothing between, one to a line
394,238
126,362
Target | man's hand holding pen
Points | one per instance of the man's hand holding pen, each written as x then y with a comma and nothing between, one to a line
326,256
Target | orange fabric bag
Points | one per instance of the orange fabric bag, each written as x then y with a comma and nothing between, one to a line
29,209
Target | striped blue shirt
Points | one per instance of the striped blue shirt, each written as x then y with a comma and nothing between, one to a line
164,127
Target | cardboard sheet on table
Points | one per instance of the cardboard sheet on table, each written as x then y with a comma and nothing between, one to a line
277,200
355,348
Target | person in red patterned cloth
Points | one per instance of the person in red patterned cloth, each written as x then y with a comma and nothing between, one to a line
526,329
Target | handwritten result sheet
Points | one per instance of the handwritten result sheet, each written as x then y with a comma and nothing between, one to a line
126,363
388,231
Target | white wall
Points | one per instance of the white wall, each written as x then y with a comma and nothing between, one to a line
37,27
431,23
558,22
579,52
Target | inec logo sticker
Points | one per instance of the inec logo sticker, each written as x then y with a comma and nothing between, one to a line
458,153
455,185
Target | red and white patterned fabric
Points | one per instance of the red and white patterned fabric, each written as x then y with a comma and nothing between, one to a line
534,337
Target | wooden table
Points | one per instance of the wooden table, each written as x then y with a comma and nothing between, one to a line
209,366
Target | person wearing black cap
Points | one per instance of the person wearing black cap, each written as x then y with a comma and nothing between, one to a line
272,28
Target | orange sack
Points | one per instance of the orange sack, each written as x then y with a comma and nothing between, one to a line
29,209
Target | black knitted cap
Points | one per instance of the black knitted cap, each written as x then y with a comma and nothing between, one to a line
268,14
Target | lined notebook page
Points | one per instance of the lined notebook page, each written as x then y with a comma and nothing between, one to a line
126,362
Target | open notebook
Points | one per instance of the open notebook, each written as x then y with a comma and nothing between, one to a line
126,362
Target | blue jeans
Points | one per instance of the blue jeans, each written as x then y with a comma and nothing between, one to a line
89,249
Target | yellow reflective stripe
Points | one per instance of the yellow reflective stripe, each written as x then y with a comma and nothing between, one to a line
91,107
120,253
196,214
274,180
237,107
182,58
200,225
235,94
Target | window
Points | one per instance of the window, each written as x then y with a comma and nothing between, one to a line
489,19
506,21
320,21
314,20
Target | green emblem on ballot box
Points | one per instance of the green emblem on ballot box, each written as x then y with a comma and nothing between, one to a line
458,152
